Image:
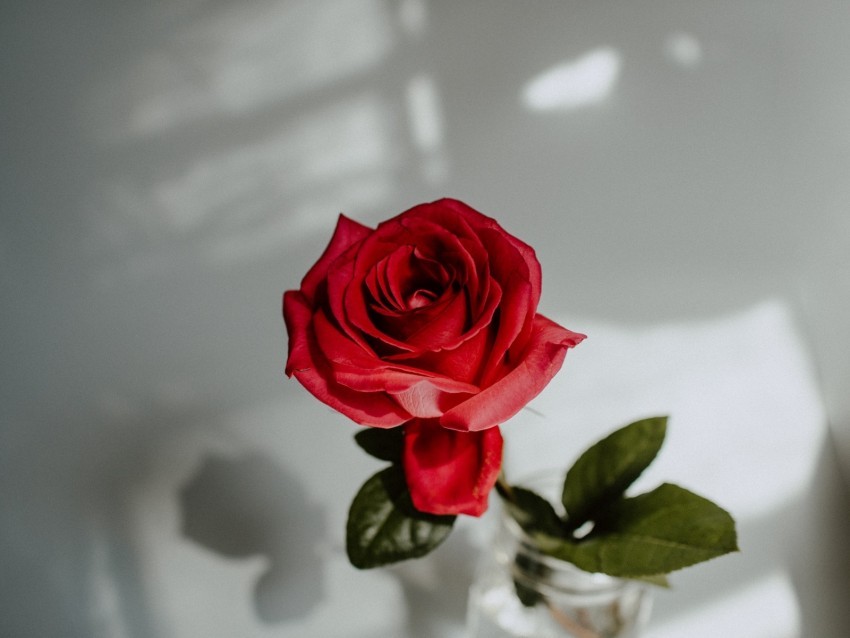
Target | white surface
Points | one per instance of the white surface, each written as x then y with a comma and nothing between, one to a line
746,429
169,168
767,608
746,422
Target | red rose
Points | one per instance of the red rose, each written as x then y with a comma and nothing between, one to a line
429,321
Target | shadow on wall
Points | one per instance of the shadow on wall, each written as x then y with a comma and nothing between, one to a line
249,506
88,540
440,582
824,542
69,534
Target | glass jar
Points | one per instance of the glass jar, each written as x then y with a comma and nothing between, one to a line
520,592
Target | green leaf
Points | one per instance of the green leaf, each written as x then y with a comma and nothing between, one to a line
533,512
382,443
603,473
383,526
655,533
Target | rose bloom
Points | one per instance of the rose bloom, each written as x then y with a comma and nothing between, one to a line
428,322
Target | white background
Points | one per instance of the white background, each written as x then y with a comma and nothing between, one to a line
170,167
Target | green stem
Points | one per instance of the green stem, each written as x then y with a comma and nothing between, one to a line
504,489
571,625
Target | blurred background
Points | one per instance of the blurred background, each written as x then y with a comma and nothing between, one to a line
170,168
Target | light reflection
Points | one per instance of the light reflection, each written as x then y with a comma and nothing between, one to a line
741,393
747,427
766,609
106,608
256,196
425,116
246,56
413,16
319,137
426,126
683,49
305,215
583,81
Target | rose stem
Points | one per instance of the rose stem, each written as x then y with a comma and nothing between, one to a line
568,623
617,611
504,489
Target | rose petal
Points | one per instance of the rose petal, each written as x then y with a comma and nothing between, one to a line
402,325
307,364
395,379
351,310
464,250
450,472
520,278
361,370
480,221
414,296
486,227
396,270
514,313
431,241
340,277
427,399
444,328
405,280
346,233
338,347
497,403
463,363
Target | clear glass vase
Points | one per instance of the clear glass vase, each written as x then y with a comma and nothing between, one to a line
520,592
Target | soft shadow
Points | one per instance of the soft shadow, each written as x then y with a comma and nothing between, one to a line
249,506
822,541
436,589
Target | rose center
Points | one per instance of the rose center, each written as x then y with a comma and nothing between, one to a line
406,280
421,298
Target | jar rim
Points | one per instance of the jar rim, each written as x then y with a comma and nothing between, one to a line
563,575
